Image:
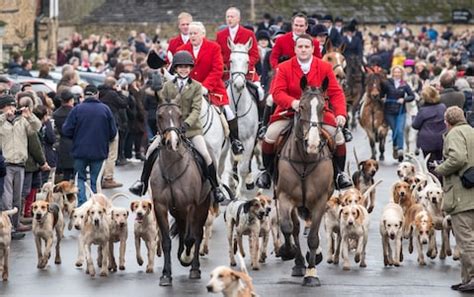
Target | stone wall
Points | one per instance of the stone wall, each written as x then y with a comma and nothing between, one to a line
19,16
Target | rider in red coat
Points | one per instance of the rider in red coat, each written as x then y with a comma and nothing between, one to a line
208,69
286,94
284,47
184,19
238,34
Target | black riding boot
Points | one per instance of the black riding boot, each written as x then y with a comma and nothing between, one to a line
212,176
237,146
342,180
264,181
267,112
140,187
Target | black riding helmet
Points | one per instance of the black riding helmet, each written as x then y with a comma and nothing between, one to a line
182,58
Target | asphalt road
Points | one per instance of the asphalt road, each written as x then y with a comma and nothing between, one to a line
273,279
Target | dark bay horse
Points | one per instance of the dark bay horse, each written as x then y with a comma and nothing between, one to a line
304,183
372,115
177,186
353,86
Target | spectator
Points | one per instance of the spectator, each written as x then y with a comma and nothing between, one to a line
26,66
3,172
266,22
137,124
65,166
44,71
398,93
14,130
47,138
463,86
92,128
432,34
110,94
14,67
430,123
449,95
458,152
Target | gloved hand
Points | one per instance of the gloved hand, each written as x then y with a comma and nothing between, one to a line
205,91
184,128
295,104
261,132
341,120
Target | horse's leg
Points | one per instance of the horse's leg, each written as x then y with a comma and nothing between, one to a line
314,255
299,268
372,146
197,220
383,131
288,249
161,214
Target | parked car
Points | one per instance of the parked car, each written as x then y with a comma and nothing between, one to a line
38,84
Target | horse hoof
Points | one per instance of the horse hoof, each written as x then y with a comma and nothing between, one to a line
250,186
195,274
311,281
382,158
298,271
166,281
287,253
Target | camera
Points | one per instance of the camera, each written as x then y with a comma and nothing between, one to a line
125,79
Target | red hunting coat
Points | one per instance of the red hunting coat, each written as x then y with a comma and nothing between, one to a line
285,46
242,36
175,43
286,88
208,69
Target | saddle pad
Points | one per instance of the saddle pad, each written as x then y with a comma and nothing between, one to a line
224,123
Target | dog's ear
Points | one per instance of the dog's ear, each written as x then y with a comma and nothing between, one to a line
72,213
112,214
104,210
401,223
340,212
376,165
413,169
358,213
384,222
150,205
361,165
234,275
247,206
133,205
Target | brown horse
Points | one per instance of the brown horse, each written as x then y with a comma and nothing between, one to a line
177,186
335,57
304,184
372,116
353,86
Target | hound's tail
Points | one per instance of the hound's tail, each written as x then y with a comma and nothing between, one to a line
10,211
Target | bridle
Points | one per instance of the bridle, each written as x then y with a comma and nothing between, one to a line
162,132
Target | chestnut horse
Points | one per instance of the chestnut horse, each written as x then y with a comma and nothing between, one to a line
177,186
304,183
372,115
335,57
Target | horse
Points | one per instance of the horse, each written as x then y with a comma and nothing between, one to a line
304,183
178,187
372,115
245,109
213,129
335,57
353,86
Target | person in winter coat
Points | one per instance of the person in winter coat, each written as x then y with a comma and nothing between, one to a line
137,125
65,161
3,172
458,152
450,96
47,138
397,92
92,128
430,123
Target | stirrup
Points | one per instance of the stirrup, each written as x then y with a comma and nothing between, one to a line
137,188
218,195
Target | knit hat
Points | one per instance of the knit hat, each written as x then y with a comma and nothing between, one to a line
90,90
7,100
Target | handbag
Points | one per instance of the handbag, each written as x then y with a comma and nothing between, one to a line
467,179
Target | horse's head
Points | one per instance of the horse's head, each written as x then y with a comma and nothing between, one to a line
169,120
239,62
335,57
374,86
310,116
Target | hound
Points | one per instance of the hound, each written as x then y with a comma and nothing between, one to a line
363,178
47,220
391,229
245,217
96,231
213,213
118,233
146,228
266,226
231,283
5,240
354,225
419,225
67,193
332,227
401,194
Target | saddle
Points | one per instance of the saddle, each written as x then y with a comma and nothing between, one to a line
253,91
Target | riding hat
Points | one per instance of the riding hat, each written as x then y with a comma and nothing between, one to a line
182,58
319,30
